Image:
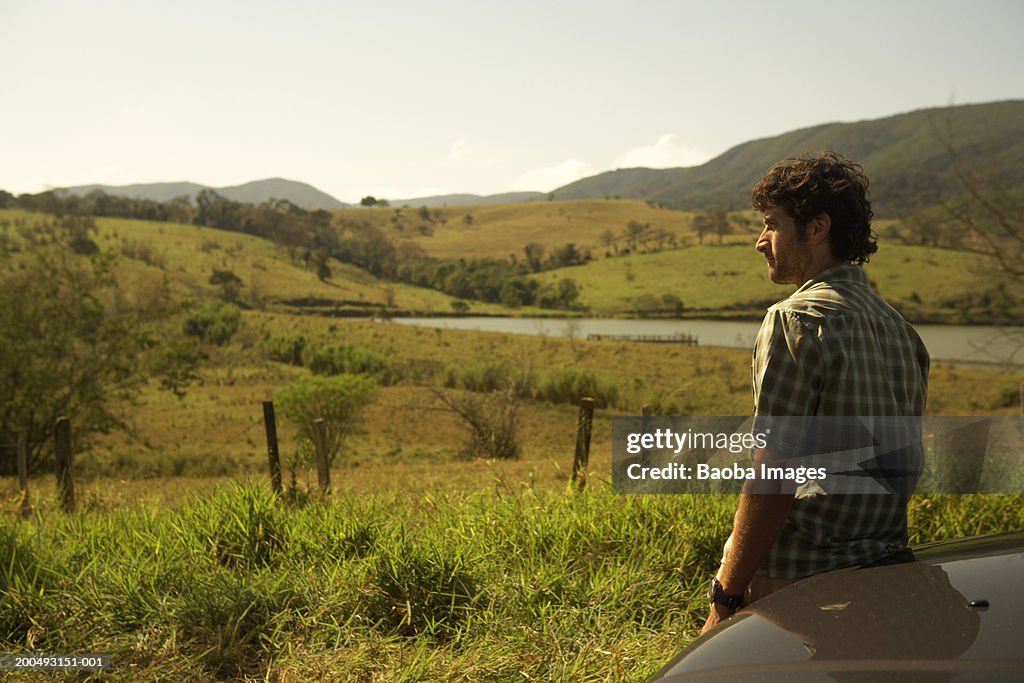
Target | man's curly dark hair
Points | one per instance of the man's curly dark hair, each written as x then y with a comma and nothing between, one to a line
806,187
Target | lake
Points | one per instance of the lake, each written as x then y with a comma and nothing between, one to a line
960,343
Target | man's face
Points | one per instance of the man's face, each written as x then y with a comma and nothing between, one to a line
789,257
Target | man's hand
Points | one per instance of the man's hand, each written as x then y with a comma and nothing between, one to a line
718,613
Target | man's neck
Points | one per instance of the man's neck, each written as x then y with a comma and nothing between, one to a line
818,267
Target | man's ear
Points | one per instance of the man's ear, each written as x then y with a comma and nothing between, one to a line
818,228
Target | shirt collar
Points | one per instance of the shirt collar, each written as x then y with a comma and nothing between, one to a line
840,272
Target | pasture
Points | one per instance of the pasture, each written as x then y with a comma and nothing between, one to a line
423,563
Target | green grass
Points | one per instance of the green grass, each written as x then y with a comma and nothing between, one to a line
499,584
928,284
500,230
425,566
216,429
185,256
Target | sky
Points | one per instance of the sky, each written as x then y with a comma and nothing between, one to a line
409,99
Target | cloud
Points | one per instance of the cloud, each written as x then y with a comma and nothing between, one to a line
549,178
464,153
668,152
460,151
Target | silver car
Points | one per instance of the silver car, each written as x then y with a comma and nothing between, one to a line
954,614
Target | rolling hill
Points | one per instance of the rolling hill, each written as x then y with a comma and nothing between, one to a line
255,192
906,156
468,199
730,281
501,230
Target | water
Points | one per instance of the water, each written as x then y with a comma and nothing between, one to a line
959,343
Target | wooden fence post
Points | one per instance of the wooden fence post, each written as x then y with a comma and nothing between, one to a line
26,503
323,470
273,454
645,425
584,427
65,476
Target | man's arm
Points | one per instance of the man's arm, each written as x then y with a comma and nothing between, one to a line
759,519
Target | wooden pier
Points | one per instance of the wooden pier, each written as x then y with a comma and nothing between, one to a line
685,339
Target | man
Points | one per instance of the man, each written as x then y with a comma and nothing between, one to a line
834,348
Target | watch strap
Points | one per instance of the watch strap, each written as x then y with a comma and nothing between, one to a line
718,596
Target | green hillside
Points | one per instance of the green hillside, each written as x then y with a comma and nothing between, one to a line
906,156
186,256
502,230
927,284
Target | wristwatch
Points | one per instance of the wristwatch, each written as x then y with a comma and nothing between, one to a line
717,595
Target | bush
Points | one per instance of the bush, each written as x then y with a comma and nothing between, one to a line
569,386
215,323
286,348
491,421
342,359
485,378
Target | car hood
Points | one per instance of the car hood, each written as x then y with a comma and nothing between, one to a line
955,613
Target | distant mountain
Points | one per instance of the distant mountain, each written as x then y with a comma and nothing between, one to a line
300,194
465,199
158,192
905,156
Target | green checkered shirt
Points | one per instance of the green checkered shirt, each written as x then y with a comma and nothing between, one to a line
835,348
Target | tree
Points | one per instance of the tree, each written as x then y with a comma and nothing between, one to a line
368,200
703,224
992,217
338,400
635,232
721,225
72,345
534,256
321,262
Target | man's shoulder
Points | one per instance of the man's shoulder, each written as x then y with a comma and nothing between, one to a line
838,291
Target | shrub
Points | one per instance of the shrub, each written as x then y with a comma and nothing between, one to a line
569,386
286,348
341,359
491,421
485,378
215,323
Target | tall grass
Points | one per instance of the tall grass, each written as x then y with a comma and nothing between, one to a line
565,385
501,584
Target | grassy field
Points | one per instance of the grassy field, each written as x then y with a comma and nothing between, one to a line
185,256
424,564
503,583
217,430
927,284
713,280
501,230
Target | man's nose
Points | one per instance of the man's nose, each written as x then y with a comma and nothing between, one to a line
762,242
